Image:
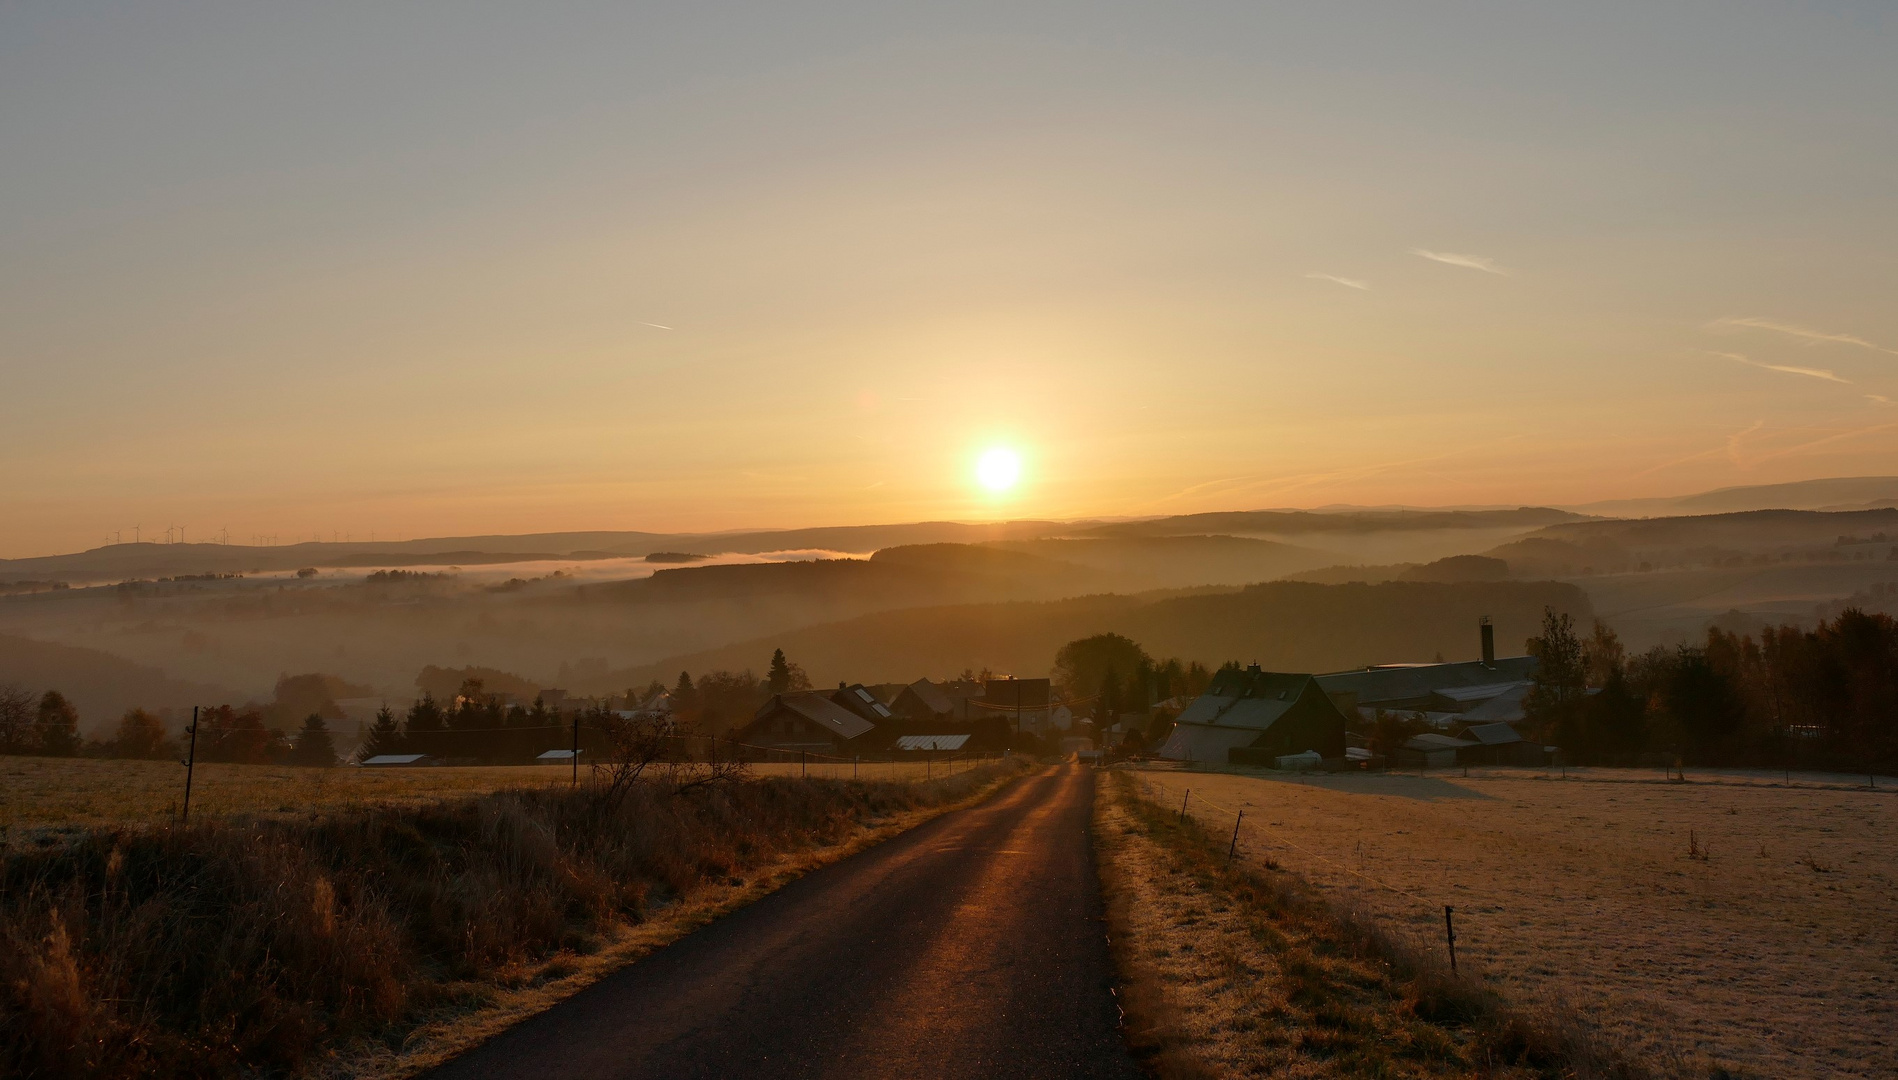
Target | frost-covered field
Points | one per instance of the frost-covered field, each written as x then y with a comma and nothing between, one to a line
1728,918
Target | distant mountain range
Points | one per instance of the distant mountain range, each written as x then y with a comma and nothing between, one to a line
1838,493
152,560
149,560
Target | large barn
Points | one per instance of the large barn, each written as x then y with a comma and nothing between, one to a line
1253,716
804,720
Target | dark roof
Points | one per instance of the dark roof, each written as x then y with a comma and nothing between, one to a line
858,699
1199,742
1493,734
1432,741
933,697
1506,706
814,706
1415,683
1246,699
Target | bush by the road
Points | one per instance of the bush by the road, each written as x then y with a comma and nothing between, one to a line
234,947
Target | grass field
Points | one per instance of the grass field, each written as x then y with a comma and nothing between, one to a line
1738,924
52,793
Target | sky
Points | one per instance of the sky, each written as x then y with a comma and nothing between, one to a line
431,269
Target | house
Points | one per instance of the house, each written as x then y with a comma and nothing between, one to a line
803,720
858,699
925,700
386,761
1254,716
654,706
1023,702
1500,744
1427,687
1431,750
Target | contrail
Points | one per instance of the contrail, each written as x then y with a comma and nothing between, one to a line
1805,333
655,326
1349,283
1816,373
1468,262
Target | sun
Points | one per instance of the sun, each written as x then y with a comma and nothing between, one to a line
998,469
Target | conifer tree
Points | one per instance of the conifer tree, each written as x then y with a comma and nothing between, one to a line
313,745
385,737
778,680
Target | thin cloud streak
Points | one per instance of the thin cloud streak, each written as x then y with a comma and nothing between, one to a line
1805,333
1468,262
1816,373
655,326
1349,283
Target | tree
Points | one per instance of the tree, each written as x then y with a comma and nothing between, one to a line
1559,673
778,679
685,697
1390,730
313,745
1705,707
224,734
142,735
385,737
1081,665
1107,705
727,699
1602,655
56,728
16,715
425,731
644,749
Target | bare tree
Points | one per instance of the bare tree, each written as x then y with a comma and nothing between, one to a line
651,749
16,717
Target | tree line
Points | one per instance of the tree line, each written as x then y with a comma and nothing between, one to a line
47,725
1820,698
479,726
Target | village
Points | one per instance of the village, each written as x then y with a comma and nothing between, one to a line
1450,713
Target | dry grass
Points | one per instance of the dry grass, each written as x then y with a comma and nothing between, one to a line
56,793
396,933
1236,970
1740,926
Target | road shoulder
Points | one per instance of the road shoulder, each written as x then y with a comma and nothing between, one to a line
1235,970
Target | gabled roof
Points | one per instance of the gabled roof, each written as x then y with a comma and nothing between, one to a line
1199,742
858,699
1506,707
1493,734
1416,682
933,697
396,759
815,706
1469,695
1433,741
1246,699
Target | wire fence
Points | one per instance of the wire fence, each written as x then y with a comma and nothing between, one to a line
1250,836
1159,794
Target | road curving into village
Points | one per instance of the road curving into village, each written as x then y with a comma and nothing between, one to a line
971,946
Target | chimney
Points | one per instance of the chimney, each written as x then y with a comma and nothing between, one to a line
1489,641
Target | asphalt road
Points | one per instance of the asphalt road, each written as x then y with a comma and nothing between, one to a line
971,946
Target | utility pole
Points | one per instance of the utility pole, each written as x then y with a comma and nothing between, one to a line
191,763
576,749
